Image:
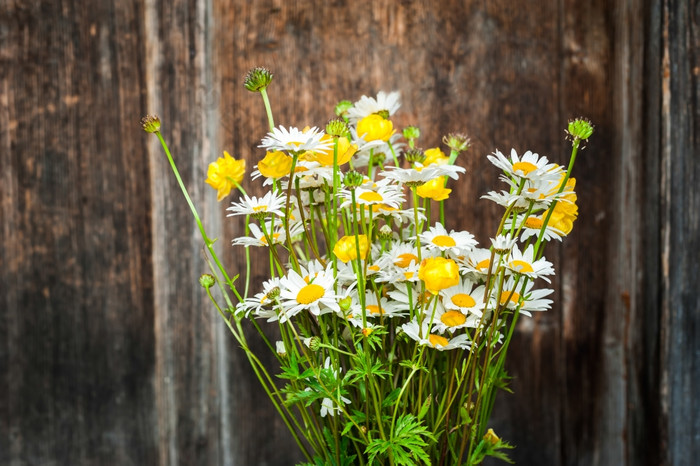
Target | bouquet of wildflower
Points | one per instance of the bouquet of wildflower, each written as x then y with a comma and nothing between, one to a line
391,329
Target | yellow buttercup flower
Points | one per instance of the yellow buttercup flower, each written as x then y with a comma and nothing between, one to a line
375,127
325,157
276,164
435,156
566,210
438,273
434,189
346,250
225,174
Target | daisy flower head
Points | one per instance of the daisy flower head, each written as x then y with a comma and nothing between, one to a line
464,298
524,263
513,295
529,166
532,226
295,140
381,308
478,262
297,295
503,244
422,334
270,203
261,300
279,236
450,320
454,242
385,195
384,102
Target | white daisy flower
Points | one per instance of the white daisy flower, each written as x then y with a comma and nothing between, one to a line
381,308
260,300
297,295
454,242
365,148
451,320
386,195
330,406
464,298
532,225
532,300
477,261
420,174
270,203
524,263
502,244
528,166
421,333
401,254
295,140
279,236
384,101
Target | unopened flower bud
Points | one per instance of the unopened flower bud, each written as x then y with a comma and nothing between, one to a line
345,303
207,280
580,128
342,107
491,437
353,179
414,155
336,127
383,113
378,158
458,142
411,133
150,123
385,233
257,79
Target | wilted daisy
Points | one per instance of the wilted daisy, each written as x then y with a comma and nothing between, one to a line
270,203
422,334
295,140
502,244
524,263
454,242
297,295
331,406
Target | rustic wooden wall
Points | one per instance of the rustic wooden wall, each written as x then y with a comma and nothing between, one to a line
109,353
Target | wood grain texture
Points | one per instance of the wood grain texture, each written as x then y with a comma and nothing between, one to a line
109,350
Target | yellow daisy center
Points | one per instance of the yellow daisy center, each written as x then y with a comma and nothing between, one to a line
259,208
534,223
310,293
436,340
444,241
373,268
453,318
371,196
404,260
514,297
375,310
525,167
521,266
463,300
408,275
483,265
387,208
275,236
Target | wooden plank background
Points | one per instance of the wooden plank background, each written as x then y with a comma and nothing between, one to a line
109,353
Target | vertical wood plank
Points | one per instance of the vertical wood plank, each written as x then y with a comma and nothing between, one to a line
680,231
75,331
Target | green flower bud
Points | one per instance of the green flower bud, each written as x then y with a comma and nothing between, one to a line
314,343
385,233
337,127
383,113
580,128
411,132
150,123
342,107
257,79
207,280
273,294
345,303
458,142
378,158
353,179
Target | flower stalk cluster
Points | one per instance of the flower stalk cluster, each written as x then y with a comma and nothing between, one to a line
393,326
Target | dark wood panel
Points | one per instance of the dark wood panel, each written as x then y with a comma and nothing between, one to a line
76,333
